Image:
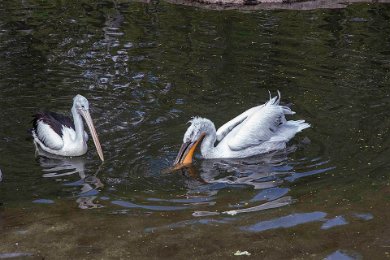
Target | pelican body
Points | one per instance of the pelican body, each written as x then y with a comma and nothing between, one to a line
258,130
58,134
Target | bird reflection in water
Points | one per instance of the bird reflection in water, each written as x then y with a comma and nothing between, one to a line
261,172
265,173
59,167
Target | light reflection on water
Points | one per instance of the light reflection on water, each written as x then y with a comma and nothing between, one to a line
60,169
287,221
342,255
201,184
147,68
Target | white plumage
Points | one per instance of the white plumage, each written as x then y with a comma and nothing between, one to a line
67,145
260,129
45,134
59,135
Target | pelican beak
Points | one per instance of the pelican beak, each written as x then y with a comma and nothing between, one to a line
88,120
186,152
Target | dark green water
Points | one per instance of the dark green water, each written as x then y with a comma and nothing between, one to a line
146,70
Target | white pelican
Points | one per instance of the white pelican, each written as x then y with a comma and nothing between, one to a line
260,129
58,134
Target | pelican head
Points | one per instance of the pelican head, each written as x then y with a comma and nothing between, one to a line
199,128
80,102
81,105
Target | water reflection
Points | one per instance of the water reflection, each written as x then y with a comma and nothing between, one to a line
301,218
58,168
283,201
260,172
270,194
270,173
336,221
128,204
286,221
199,186
191,222
149,67
343,255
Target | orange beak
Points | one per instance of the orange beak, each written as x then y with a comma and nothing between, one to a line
186,152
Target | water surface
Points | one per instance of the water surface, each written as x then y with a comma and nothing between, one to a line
146,70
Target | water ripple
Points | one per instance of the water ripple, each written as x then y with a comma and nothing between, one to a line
287,221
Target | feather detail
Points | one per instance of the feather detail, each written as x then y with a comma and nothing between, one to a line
261,125
47,136
54,120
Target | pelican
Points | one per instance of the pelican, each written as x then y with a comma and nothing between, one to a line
58,134
258,130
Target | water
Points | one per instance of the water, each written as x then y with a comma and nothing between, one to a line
146,70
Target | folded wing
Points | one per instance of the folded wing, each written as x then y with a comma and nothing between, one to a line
260,125
48,127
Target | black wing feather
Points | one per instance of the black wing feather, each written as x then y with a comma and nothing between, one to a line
54,120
